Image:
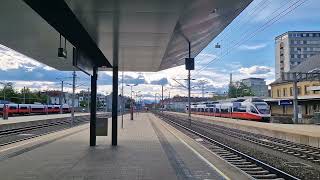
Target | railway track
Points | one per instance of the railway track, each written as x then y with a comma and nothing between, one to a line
302,151
250,165
23,133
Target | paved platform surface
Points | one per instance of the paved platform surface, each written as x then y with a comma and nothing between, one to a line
146,150
300,133
19,119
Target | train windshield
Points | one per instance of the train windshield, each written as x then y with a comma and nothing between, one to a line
263,108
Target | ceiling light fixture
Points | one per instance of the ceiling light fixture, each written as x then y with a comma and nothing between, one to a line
62,52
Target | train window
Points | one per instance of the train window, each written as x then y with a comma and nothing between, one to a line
217,110
211,110
253,110
23,108
12,107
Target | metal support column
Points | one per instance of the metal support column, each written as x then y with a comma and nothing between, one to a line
93,107
73,95
295,98
131,105
162,104
122,104
189,88
115,43
61,98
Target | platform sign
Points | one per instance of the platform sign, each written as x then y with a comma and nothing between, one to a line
82,62
286,102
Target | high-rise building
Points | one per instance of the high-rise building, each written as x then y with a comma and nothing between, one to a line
293,47
257,85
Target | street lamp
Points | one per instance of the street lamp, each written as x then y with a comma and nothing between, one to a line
131,102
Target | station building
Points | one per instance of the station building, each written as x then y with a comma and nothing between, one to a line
308,92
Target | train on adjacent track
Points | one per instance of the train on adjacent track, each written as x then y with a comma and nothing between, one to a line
26,109
242,108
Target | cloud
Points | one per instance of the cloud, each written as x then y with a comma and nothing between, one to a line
204,58
163,81
10,59
255,70
252,47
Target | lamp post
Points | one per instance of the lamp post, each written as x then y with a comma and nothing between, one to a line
131,102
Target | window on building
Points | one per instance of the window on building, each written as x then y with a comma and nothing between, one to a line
292,42
281,68
299,90
278,93
292,55
284,92
304,35
310,35
298,49
291,91
305,56
299,56
316,92
304,42
306,92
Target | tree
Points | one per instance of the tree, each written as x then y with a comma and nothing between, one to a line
239,90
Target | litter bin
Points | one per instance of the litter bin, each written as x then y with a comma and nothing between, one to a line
102,126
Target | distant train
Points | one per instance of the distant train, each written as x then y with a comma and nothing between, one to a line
24,109
250,109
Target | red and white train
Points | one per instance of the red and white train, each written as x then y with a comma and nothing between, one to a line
250,109
24,109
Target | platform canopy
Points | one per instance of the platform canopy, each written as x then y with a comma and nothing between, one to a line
153,33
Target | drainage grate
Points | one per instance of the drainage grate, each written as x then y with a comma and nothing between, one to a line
297,164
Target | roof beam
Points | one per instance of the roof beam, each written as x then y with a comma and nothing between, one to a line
58,14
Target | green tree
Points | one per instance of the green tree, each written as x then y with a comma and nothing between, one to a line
239,91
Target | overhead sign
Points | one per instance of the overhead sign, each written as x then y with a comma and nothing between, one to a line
286,102
313,88
82,62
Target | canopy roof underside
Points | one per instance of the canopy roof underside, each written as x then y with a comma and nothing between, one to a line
153,34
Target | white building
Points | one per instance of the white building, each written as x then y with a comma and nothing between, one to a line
257,85
54,98
293,47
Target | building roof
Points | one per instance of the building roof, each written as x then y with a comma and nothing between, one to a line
253,78
283,34
311,64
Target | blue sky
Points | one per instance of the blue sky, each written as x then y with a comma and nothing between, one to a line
247,50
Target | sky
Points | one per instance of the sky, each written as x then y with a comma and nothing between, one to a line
247,50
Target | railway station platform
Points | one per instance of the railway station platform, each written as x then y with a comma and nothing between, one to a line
299,133
148,148
20,119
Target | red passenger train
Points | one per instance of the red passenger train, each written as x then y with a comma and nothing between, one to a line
24,109
250,109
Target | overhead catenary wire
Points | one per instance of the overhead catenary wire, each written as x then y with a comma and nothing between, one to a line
270,22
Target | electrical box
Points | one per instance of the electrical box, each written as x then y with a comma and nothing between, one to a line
189,63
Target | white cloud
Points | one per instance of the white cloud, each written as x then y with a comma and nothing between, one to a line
252,47
10,59
204,58
256,70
